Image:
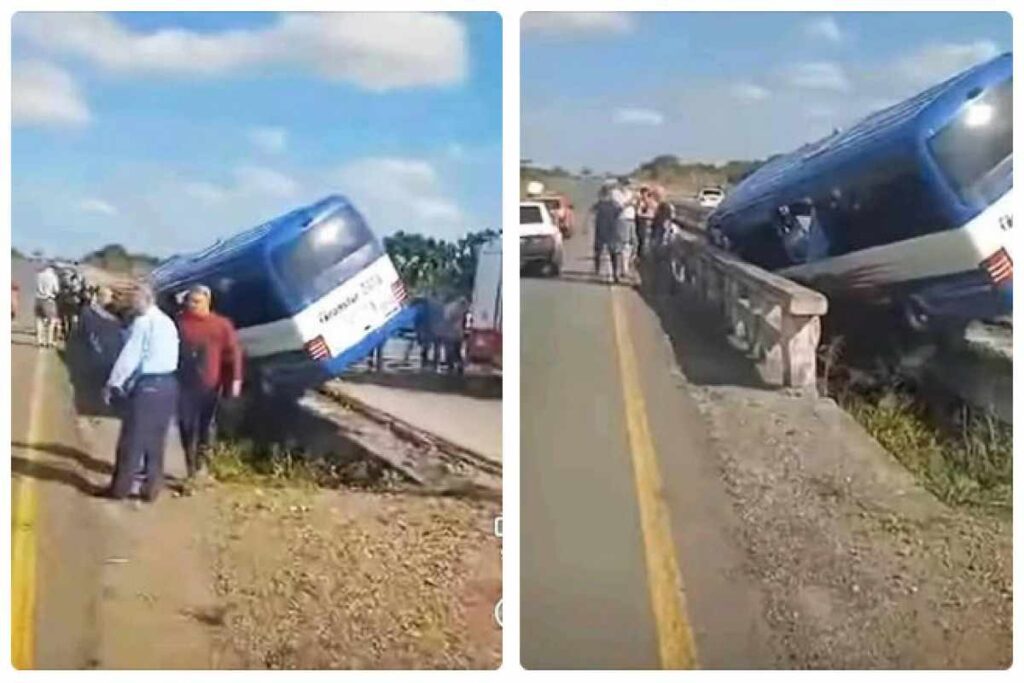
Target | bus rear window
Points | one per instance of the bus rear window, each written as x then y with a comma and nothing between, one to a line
325,255
975,149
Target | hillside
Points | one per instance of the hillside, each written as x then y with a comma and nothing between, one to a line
114,258
679,178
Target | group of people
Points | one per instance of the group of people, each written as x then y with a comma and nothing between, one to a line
628,221
150,367
439,330
59,296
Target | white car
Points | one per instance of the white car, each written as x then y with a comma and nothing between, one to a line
540,240
710,197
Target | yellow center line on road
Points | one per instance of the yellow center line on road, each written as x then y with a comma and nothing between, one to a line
676,647
23,539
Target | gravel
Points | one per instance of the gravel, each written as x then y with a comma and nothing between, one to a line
860,566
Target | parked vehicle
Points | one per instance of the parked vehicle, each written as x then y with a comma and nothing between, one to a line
483,338
911,207
310,292
710,197
540,240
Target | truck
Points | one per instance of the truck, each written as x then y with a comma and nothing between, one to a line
483,335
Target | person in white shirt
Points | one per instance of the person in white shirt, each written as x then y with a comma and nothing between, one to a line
47,289
625,198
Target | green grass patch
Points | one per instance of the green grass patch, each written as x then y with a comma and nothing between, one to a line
968,461
244,462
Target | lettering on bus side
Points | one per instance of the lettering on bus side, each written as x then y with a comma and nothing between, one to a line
338,308
371,283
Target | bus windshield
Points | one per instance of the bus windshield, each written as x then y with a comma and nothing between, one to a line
975,149
325,255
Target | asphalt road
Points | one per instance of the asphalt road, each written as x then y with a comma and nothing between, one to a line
55,550
627,558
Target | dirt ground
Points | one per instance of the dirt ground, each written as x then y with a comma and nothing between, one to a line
238,576
861,567
355,580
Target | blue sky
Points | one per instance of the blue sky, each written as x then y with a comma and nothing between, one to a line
164,131
610,90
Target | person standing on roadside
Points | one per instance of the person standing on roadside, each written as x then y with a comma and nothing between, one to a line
664,214
209,345
100,336
47,290
15,296
625,198
607,232
644,215
144,374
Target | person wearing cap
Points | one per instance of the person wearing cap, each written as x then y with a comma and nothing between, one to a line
211,365
144,375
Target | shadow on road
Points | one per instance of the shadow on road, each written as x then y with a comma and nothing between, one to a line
45,472
698,336
82,458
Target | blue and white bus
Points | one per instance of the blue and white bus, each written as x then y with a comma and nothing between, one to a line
911,207
310,292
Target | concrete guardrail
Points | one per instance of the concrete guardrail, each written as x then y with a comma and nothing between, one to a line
777,322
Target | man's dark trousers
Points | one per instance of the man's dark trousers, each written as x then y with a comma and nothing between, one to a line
197,406
147,417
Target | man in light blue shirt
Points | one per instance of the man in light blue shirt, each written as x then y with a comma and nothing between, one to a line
144,374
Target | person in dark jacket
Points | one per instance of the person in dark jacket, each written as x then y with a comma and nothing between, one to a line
609,232
100,335
664,215
210,366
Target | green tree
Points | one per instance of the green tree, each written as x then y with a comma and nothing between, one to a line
431,266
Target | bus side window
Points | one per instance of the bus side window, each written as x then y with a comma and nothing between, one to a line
247,298
891,205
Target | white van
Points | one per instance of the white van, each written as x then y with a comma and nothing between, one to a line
483,339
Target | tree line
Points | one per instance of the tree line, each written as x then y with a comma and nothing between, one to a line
428,265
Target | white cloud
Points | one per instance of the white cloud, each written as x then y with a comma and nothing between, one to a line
749,92
938,61
401,194
818,76
94,205
205,192
577,23
268,139
45,95
259,180
639,117
377,51
824,28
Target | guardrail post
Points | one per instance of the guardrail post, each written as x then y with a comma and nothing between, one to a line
800,337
